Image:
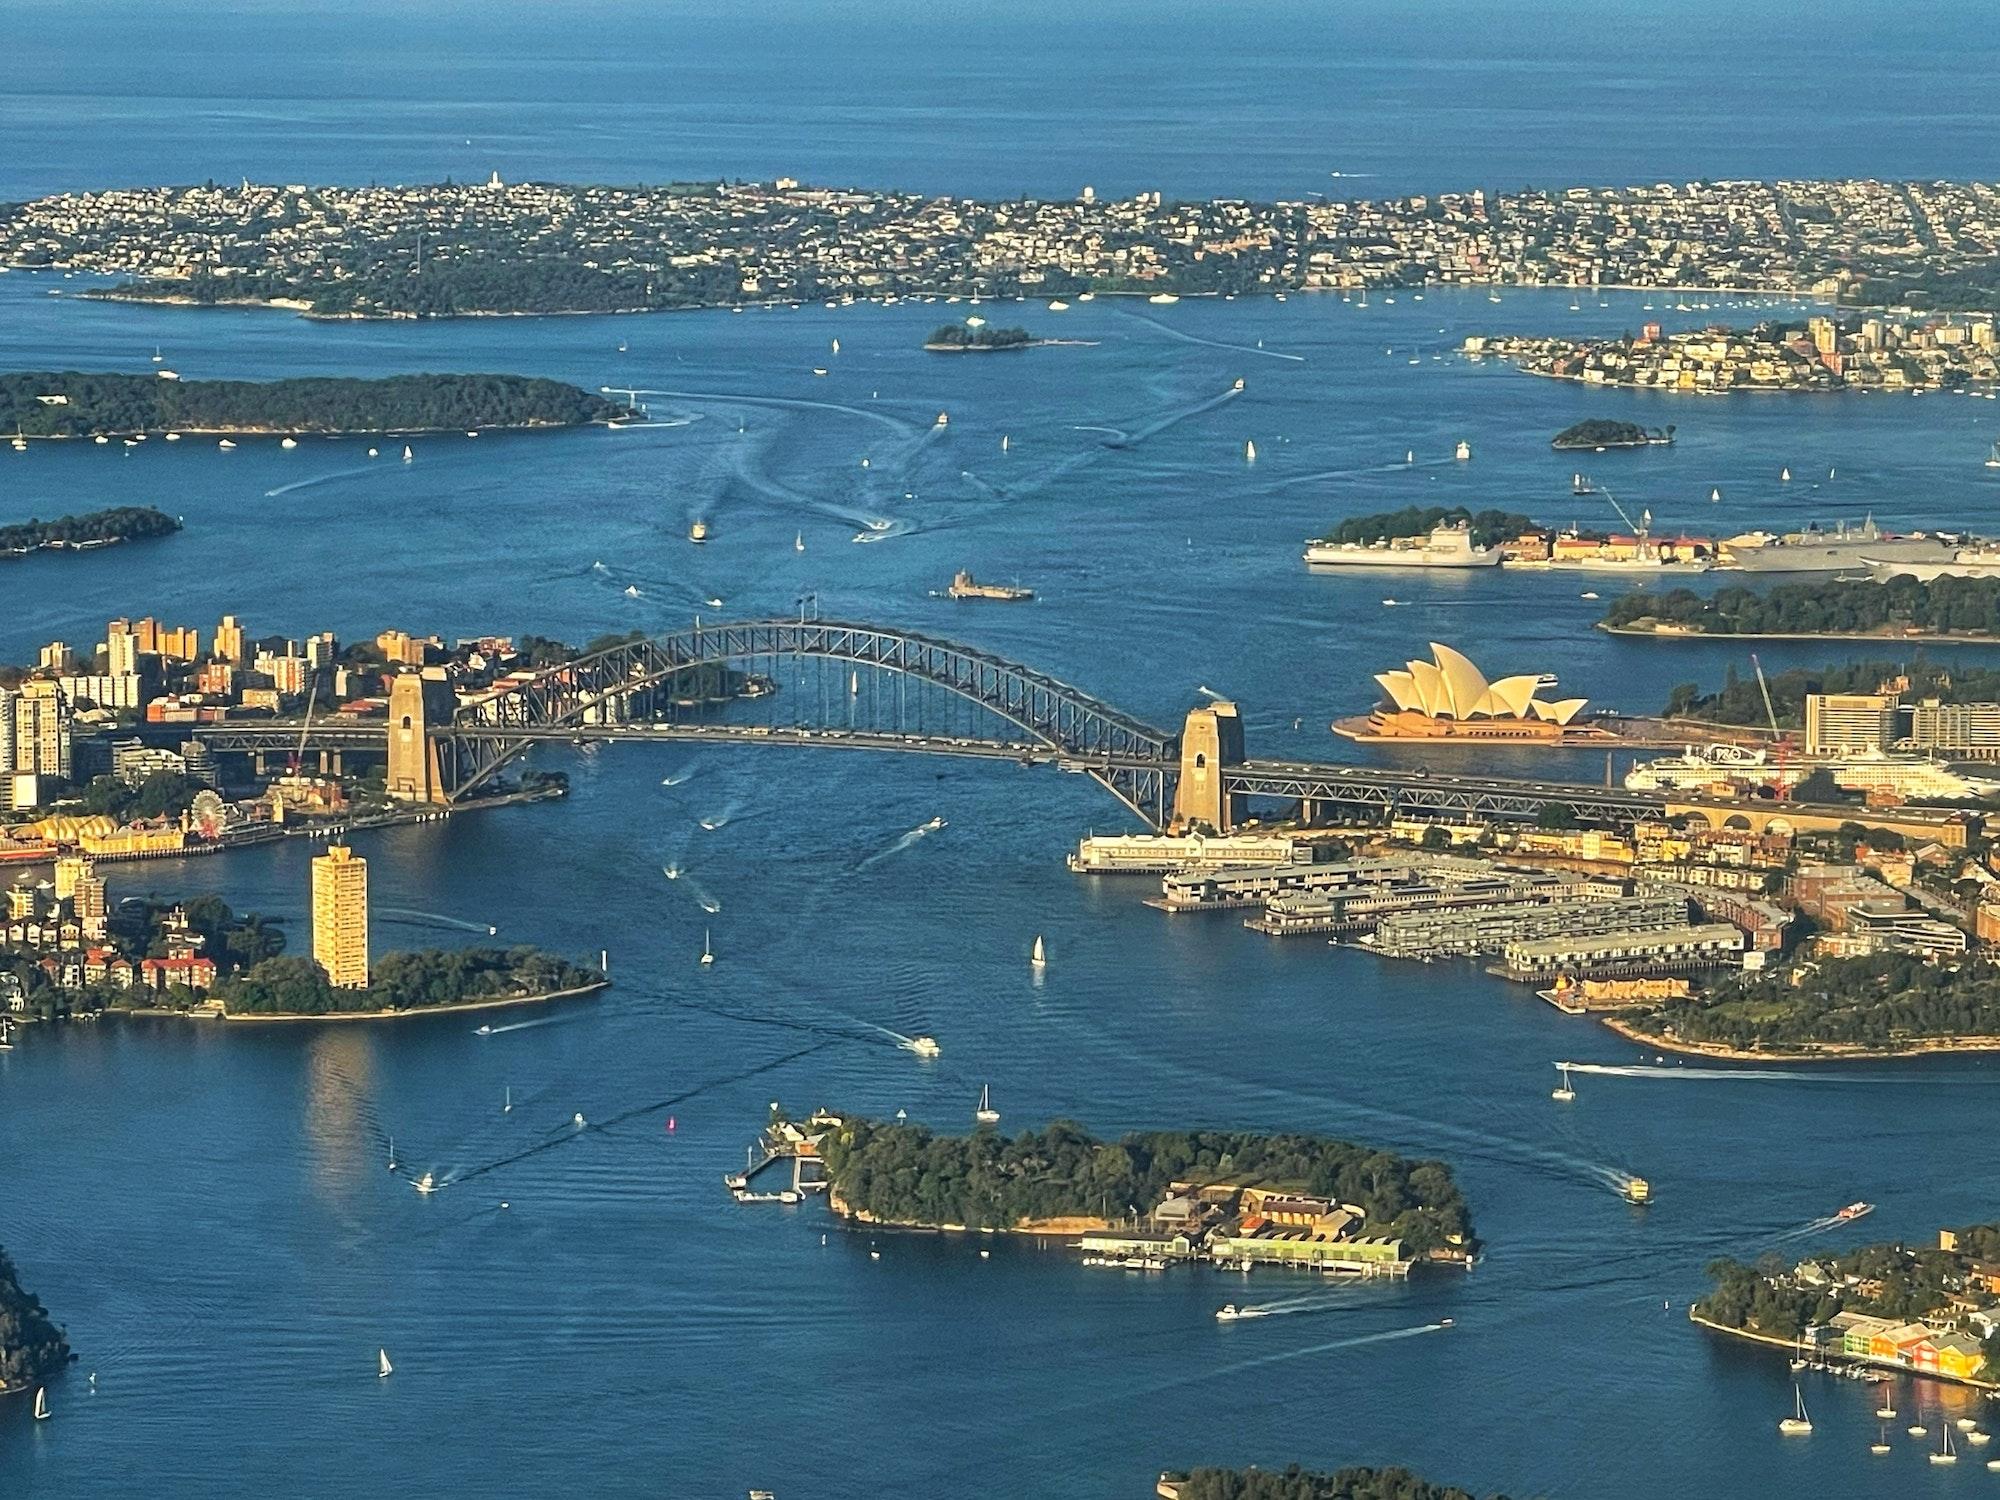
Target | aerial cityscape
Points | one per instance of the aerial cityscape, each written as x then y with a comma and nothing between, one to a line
1346,857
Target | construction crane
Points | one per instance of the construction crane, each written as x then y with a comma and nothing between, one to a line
1782,787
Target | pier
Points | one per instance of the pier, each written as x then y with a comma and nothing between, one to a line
781,1141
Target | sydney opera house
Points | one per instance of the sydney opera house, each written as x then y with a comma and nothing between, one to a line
1448,697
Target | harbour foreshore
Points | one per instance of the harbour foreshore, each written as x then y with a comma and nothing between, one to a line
1866,1361
1676,633
1820,1052
456,1007
1076,1224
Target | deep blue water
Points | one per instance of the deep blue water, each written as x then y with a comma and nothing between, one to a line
209,1212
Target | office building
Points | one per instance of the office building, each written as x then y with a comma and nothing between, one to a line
340,917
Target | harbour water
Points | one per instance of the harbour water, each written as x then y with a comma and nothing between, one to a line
208,1212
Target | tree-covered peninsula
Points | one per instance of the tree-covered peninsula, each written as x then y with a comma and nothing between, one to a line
1879,1005
1294,1483
906,1174
952,338
72,404
32,1348
1944,608
97,528
430,980
1905,1284
1487,526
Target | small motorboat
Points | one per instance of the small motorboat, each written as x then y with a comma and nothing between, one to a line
1229,1312
1855,1211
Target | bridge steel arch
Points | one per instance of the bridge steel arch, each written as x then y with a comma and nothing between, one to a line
1133,760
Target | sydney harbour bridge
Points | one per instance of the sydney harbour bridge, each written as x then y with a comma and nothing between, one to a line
836,685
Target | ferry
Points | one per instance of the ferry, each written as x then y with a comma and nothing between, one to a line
1163,299
923,1046
1463,451
1446,547
1855,1211
1229,1312
1637,1190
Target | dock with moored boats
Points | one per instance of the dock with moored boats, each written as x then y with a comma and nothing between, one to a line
797,1142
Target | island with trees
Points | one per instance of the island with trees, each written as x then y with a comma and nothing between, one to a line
1295,1483
87,532
284,988
960,338
72,404
1876,1005
32,1348
1739,702
1488,527
1061,1179
1942,609
1598,432
1884,1304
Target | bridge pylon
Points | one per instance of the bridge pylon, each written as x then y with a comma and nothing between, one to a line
416,762
1211,740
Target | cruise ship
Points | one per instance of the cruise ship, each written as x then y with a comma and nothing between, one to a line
1445,547
1860,548
1700,767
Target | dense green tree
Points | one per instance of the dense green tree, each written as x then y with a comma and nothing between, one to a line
1294,1483
122,523
32,1348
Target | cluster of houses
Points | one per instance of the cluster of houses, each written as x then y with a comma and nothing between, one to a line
772,241
61,927
1234,1225
1875,354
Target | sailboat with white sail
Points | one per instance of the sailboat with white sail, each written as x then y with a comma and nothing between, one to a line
1798,1423
1040,957
986,1114
384,1369
707,952
41,1403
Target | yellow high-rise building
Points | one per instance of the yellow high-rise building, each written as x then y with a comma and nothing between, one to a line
340,917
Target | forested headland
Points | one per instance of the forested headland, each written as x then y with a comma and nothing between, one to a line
32,1348
1966,608
1294,1483
1881,1004
73,404
431,979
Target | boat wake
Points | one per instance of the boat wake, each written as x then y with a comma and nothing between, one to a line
1173,419
894,424
701,896
908,841
532,1025
408,917
1669,1070
1191,338
319,479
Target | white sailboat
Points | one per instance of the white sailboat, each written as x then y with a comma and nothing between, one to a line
836,346
507,1102
799,542
158,358
1993,457
1563,1093
41,1403
1040,957
383,1368
1463,451
1005,440
1785,476
1798,1423
986,1114
1250,452
392,1153
1714,495
707,953
1945,1455
1881,1443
